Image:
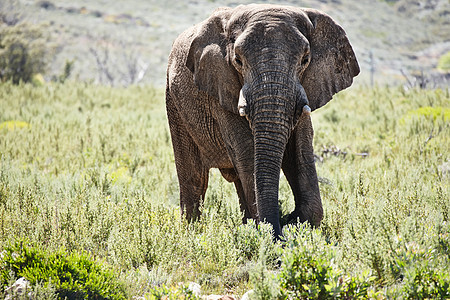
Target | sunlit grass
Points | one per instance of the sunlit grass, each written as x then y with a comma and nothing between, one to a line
91,169
12,125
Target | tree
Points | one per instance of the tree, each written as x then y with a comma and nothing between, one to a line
23,52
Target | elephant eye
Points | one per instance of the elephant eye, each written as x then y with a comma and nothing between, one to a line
237,59
305,59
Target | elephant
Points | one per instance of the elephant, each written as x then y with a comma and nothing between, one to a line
240,89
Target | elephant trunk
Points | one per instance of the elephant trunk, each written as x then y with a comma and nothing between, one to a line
272,122
268,158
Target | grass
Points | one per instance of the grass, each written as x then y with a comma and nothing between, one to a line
90,169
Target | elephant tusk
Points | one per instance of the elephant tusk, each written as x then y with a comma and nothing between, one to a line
242,104
306,109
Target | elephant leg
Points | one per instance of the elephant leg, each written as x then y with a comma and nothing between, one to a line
192,174
193,184
239,144
231,176
245,205
300,171
245,186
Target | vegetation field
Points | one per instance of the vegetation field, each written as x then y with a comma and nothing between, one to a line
89,202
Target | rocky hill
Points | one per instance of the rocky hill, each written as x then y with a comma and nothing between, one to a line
120,42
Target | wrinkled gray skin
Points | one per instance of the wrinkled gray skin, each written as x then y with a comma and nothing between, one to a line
280,59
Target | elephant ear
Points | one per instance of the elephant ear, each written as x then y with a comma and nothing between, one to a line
333,63
207,60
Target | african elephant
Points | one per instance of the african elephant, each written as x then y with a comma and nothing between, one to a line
240,89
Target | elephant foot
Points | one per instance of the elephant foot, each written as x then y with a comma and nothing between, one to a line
291,218
298,217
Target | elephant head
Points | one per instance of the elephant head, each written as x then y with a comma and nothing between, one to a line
270,64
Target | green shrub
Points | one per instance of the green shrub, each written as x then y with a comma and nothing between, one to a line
309,269
68,68
420,273
265,283
444,62
72,275
249,241
163,291
24,52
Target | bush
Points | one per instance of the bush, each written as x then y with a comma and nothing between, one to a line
68,68
444,62
71,275
170,292
23,52
45,4
420,273
309,270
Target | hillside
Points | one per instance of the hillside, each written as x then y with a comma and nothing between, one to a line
133,36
